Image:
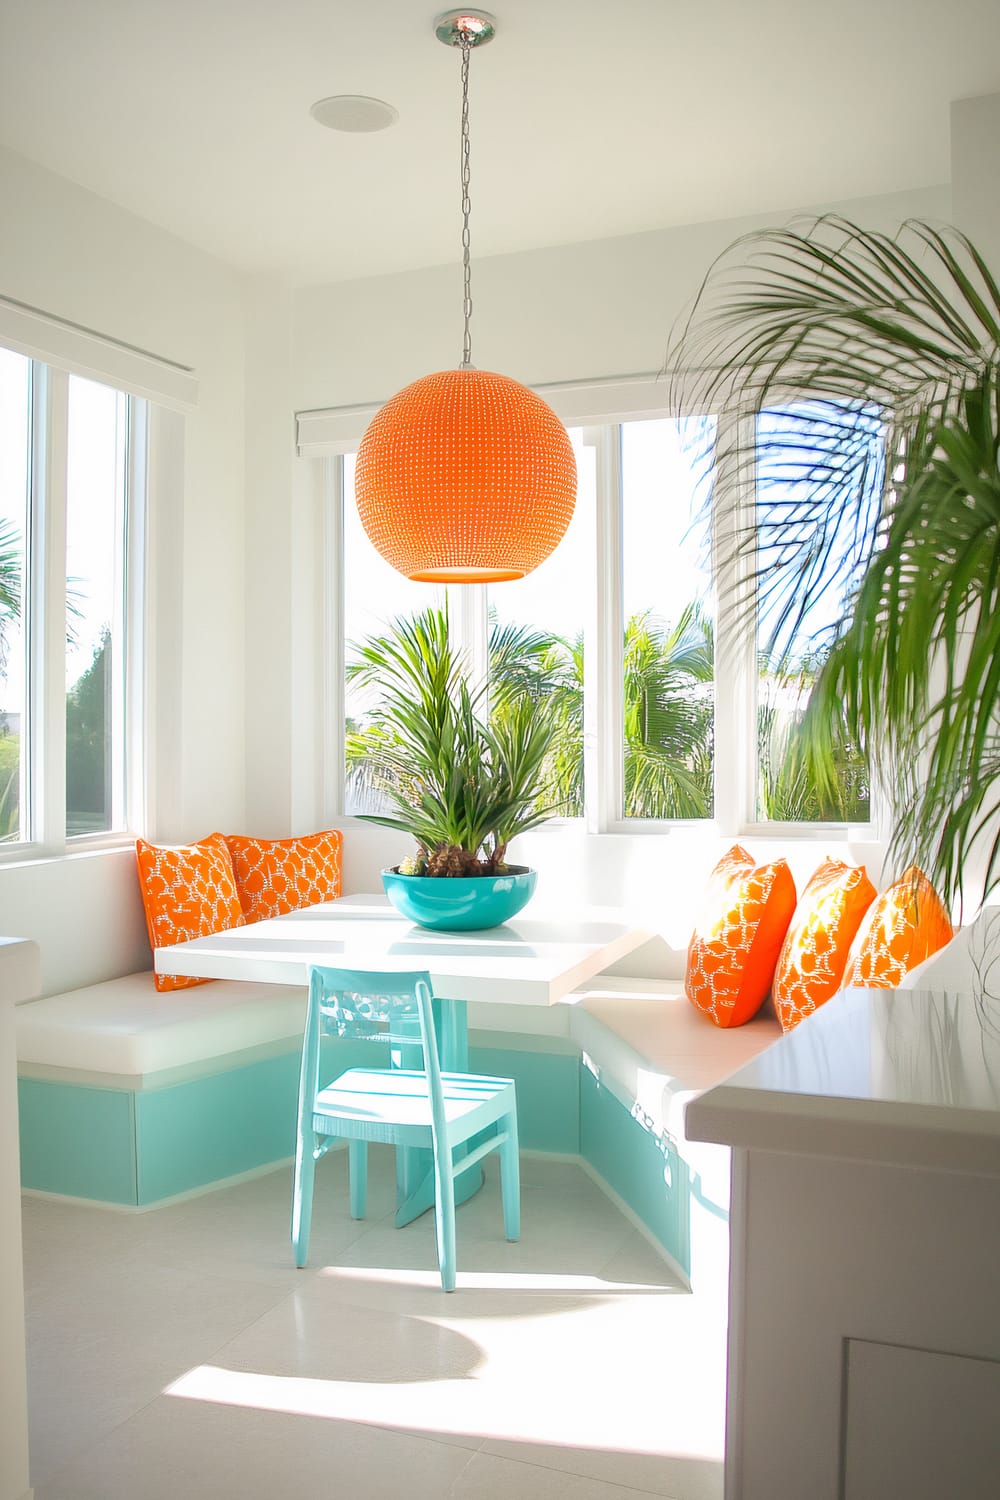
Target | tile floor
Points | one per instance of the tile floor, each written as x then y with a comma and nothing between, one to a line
178,1353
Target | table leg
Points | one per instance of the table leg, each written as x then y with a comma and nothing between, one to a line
415,1167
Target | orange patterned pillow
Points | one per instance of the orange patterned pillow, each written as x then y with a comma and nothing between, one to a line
188,891
905,925
735,944
275,876
814,954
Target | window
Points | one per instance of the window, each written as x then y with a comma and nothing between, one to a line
802,453
677,704
667,655
71,459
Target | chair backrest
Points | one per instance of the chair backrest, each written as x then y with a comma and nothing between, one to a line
393,1008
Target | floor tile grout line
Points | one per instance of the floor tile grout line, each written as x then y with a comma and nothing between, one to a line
476,1453
526,1463
81,1455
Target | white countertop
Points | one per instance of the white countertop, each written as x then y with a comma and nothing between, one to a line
904,1076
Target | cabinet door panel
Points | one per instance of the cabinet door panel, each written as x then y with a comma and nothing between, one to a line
920,1424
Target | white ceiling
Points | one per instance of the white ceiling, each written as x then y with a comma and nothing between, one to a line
588,119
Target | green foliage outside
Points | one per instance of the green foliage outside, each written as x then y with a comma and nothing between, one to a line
669,747
788,790
88,767
87,762
10,762
10,745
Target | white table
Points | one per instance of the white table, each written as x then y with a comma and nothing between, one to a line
531,960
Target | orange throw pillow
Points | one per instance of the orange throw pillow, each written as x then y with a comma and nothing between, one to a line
814,954
275,876
735,945
188,891
905,925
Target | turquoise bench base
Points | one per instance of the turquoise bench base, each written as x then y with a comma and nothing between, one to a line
644,1170
137,1147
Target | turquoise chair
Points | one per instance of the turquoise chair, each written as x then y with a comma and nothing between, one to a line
402,1106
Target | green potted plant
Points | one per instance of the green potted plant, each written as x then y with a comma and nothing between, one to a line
459,783
904,329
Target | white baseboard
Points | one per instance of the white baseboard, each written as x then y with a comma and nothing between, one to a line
145,1208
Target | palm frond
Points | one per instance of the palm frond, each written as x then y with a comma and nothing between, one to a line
657,785
892,555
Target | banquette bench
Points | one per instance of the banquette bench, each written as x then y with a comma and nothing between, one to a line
130,1098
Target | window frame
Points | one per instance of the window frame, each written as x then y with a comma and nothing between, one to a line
44,619
600,408
157,394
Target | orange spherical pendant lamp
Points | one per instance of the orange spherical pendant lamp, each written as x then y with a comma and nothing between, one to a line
465,476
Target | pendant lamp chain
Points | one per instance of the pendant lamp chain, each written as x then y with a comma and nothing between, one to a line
465,476
466,207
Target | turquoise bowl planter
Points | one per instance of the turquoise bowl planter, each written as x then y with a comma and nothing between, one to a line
460,904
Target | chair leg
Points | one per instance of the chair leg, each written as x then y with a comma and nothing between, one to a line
510,1180
302,1193
358,1153
444,1216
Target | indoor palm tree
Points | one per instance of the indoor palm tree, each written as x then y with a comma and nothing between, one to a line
460,785
903,331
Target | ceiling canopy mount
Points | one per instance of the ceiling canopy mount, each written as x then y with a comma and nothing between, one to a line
465,28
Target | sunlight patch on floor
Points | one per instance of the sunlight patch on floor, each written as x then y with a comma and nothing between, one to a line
489,1281
445,1408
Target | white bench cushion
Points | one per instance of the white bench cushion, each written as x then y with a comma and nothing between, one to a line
124,1027
647,1038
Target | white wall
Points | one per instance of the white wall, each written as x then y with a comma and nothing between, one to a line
575,312
76,256
975,167
270,455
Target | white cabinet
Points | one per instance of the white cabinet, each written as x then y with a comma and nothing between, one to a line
920,1424
864,1352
